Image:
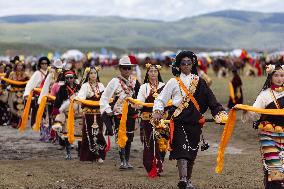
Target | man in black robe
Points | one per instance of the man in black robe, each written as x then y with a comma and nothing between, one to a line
191,98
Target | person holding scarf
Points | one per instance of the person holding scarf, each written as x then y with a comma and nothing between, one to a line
61,105
15,99
54,73
37,81
120,88
191,98
153,156
93,142
270,127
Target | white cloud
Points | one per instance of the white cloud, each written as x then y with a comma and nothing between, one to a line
147,9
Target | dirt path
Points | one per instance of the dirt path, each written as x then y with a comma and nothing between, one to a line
25,162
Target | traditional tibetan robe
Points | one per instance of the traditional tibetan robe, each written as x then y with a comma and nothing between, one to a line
36,81
93,142
152,154
61,106
271,134
120,88
186,117
15,100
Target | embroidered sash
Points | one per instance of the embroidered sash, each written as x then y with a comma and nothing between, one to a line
189,94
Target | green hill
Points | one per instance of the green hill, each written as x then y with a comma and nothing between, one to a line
219,30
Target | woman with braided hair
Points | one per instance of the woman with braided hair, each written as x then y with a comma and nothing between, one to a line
15,100
93,142
271,127
153,157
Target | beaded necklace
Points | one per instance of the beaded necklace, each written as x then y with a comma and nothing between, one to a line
95,89
154,89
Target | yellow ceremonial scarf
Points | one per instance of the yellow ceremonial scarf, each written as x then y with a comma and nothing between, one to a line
229,127
121,136
25,115
40,111
14,82
70,119
232,92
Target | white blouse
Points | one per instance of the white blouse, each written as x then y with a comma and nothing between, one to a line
262,101
172,91
144,91
34,81
114,89
86,90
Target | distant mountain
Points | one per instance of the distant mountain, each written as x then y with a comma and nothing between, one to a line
219,30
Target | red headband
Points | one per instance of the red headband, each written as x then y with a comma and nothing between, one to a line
69,73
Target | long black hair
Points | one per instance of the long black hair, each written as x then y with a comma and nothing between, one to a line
176,64
41,59
146,79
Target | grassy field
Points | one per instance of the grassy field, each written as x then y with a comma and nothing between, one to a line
224,29
242,170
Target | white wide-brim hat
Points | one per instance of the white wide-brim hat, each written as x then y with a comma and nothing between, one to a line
58,64
126,61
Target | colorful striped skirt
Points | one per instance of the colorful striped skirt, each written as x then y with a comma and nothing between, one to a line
272,149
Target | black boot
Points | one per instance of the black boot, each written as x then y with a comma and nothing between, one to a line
182,170
68,150
127,155
79,148
122,159
190,164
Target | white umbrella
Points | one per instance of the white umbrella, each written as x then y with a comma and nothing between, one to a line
236,52
4,58
167,53
73,54
217,53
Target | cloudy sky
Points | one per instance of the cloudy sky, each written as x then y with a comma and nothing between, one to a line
147,9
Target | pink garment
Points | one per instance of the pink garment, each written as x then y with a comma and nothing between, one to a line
54,89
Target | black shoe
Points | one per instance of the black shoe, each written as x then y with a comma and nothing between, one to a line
68,157
189,185
128,165
122,166
182,184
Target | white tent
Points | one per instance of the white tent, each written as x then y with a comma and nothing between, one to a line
217,54
142,56
167,53
236,52
5,58
73,54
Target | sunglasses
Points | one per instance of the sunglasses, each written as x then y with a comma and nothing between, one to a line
126,68
185,62
69,77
